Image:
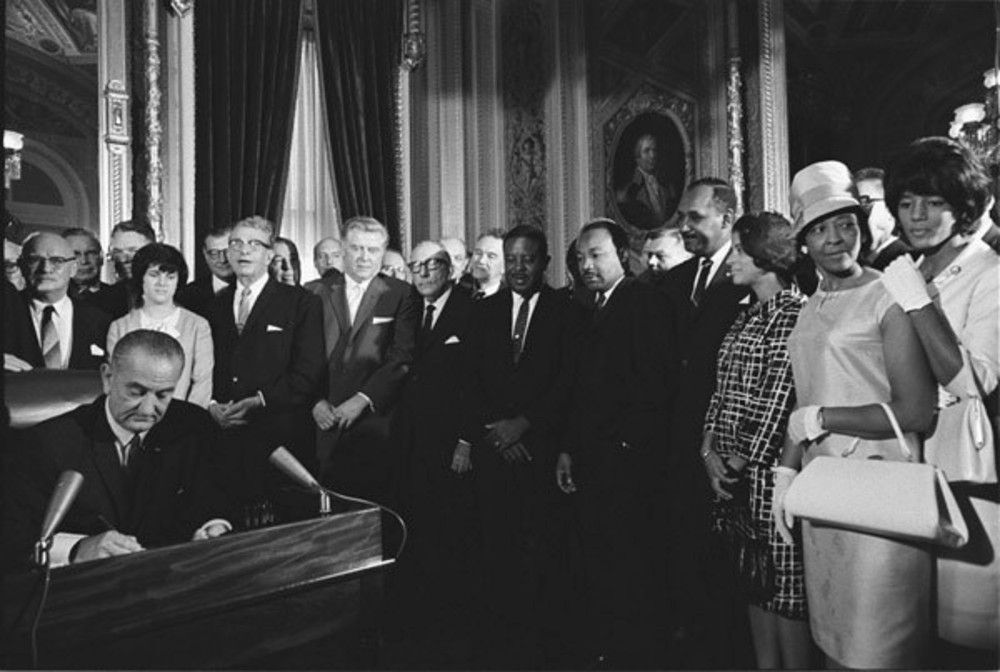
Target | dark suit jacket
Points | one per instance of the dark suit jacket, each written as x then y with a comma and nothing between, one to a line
89,336
373,355
115,300
624,375
175,489
497,388
427,423
279,353
894,249
703,329
197,296
18,332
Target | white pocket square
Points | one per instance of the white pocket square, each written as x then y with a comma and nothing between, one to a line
272,327
382,320
745,301
451,339
96,351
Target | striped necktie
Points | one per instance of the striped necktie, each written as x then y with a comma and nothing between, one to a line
51,350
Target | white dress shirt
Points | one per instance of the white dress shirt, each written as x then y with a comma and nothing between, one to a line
610,291
516,307
438,307
717,259
256,287
218,285
62,317
355,291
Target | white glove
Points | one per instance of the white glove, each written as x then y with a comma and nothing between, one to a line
804,424
905,283
783,520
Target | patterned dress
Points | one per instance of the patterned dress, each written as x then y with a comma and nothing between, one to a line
748,415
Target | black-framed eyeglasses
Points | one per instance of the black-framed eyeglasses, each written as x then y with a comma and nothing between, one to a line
216,254
428,265
238,245
57,263
867,201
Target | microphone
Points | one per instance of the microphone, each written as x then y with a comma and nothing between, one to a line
291,467
67,488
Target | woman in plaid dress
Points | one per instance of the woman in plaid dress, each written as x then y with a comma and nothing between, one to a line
744,429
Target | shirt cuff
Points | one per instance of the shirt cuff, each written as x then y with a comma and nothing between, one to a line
62,545
368,400
260,395
200,532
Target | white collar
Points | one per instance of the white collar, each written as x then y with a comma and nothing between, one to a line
255,287
440,301
607,294
122,435
350,283
62,306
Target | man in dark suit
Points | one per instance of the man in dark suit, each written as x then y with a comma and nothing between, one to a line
433,595
148,471
369,321
614,450
328,258
197,296
516,352
268,361
885,246
127,238
68,334
86,283
710,302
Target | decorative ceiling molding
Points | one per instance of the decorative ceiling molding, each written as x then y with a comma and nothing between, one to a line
59,28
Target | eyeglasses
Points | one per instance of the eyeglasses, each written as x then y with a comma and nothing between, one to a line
89,254
429,265
57,263
121,255
215,255
238,245
866,201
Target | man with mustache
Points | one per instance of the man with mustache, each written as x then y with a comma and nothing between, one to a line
704,289
622,380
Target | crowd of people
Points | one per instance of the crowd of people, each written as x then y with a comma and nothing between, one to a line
593,475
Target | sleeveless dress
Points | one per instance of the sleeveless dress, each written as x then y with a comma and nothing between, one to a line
868,596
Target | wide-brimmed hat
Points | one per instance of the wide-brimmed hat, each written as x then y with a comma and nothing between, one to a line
818,190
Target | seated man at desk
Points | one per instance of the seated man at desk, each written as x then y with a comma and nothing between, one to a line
145,459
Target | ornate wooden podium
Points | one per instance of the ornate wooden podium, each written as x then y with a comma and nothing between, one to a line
251,599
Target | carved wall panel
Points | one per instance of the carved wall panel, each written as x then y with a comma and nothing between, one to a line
525,74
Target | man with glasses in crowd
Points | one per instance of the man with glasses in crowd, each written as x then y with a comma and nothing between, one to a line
127,238
198,294
268,361
369,321
886,246
89,261
68,334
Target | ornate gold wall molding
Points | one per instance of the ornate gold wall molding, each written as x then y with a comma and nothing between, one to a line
734,104
773,117
114,154
151,165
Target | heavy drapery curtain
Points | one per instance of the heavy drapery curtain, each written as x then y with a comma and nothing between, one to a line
360,43
310,209
246,72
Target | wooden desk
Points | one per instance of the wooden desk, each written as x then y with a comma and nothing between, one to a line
233,601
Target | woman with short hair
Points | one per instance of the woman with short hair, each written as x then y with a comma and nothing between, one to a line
157,271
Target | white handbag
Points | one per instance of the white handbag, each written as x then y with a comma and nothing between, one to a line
905,500
968,454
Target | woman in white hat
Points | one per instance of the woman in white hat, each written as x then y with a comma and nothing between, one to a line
852,349
939,192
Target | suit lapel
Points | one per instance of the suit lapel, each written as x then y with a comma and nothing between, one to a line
224,307
376,289
105,458
536,322
35,357
336,316
80,346
259,306
722,276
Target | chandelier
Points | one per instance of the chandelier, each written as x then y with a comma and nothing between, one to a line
977,125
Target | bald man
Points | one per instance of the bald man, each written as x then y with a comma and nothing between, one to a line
328,258
68,334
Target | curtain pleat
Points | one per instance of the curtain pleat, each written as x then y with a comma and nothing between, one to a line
359,46
310,210
246,72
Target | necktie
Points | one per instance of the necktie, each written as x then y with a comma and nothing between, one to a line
353,300
520,326
130,450
51,350
702,282
599,300
244,310
425,328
